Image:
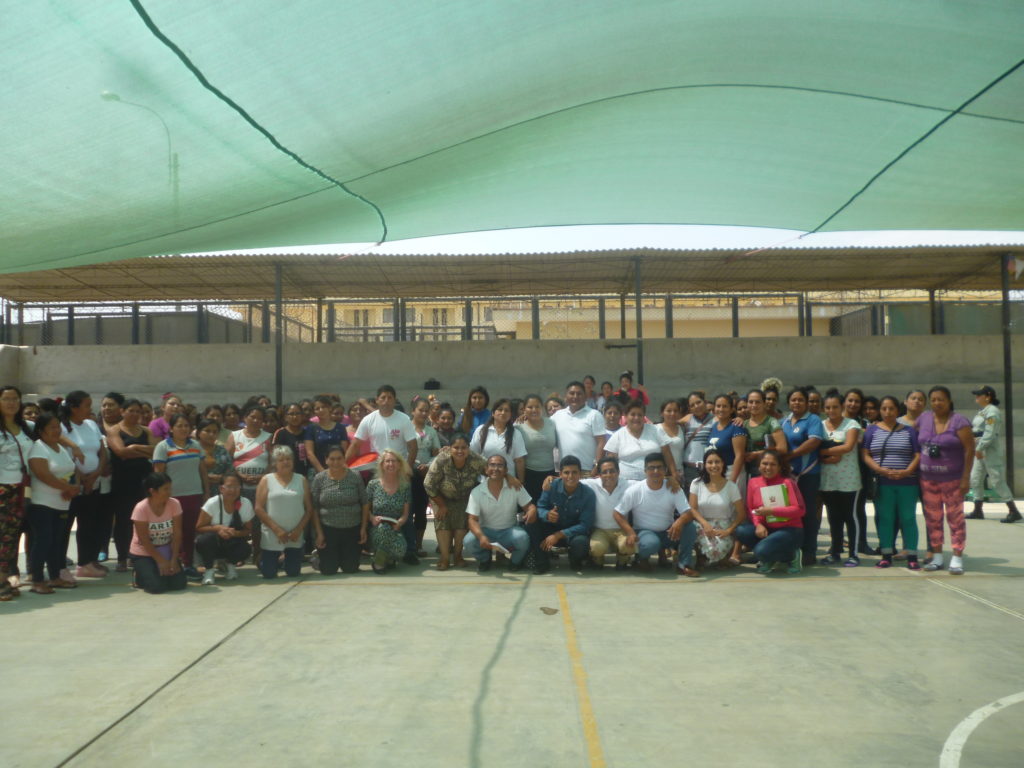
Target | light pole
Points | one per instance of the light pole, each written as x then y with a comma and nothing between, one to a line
172,156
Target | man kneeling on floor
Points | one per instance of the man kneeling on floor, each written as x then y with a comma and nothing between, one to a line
492,516
654,505
565,513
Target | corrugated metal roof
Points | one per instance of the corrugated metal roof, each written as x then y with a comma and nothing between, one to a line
235,277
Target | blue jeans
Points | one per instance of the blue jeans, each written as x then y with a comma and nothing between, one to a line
651,542
778,546
515,539
292,562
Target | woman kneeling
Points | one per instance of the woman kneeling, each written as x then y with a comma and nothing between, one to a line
156,537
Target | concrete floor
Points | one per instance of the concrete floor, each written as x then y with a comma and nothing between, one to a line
835,667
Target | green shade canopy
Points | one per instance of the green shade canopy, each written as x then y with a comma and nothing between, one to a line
463,116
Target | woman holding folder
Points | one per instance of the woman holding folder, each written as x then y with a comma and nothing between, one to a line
775,530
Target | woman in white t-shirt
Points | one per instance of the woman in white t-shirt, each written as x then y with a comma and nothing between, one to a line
93,529
718,509
498,437
225,523
631,444
671,413
53,472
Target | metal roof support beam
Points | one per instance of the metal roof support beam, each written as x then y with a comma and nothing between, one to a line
1005,261
735,317
638,285
279,337
669,329
71,325
602,331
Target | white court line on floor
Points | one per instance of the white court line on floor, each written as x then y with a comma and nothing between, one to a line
946,585
951,750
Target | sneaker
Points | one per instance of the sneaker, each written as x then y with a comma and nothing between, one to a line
232,572
765,567
102,557
101,567
797,564
852,562
830,559
932,566
514,567
65,575
89,571
209,577
483,565
191,573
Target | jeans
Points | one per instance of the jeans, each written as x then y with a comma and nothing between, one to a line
210,547
149,578
541,529
47,540
341,550
269,566
515,539
779,546
651,542
808,485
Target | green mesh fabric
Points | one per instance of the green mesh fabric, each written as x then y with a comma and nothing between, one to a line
460,116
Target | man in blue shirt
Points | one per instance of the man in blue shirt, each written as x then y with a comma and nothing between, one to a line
565,513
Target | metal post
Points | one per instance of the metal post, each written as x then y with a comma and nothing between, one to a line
8,336
534,319
933,320
467,319
248,323
602,332
639,311
622,316
1005,263
331,323
809,318
319,320
735,317
266,322
800,315
98,330
394,320
136,322
669,330
874,320
21,323
279,335
199,324
71,325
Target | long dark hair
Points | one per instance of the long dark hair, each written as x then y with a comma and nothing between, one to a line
467,413
19,417
42,423
784,469
703,474
510,428
73,400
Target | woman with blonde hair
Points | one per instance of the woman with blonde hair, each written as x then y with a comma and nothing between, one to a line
389,494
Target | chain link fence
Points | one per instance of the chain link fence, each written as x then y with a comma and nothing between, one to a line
742,315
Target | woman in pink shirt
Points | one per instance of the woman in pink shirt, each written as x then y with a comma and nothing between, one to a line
156,538
775,529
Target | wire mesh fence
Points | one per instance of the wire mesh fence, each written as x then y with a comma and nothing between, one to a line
693,315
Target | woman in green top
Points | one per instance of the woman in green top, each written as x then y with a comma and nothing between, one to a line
764,431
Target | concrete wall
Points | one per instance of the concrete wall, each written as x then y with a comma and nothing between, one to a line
222,372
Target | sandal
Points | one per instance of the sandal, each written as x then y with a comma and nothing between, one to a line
63,584
42,588
830,559
442,566
6,593
885,562
852,562
930,566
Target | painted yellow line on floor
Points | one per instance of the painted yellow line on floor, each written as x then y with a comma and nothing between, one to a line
977,598
595,755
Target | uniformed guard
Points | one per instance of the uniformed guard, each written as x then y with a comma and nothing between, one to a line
990,459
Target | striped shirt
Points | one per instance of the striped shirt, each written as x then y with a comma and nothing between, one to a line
181,464
892,450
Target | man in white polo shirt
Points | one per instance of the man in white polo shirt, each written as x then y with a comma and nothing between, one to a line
580,429
655,526
492,517
607,536
386,429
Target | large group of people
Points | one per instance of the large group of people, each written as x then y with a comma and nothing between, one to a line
708,482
